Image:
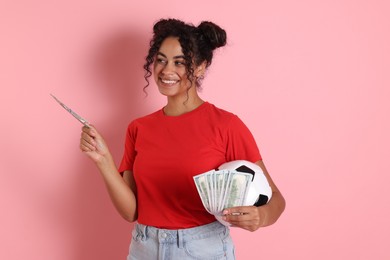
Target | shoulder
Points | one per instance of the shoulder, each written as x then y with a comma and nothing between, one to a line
223,117
228,120
215,111
144,120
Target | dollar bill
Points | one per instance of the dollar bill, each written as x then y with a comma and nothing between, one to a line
222,189
238,189
201,185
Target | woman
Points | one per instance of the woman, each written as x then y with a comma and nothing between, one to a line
164,150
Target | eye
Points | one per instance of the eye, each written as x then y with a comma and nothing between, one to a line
161,61
179,63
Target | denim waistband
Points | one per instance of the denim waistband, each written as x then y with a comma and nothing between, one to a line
179,236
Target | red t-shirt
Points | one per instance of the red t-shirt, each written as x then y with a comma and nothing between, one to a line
165,152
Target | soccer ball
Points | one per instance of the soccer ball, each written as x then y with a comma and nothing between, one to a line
259,190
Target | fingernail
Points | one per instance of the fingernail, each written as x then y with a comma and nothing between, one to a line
224,212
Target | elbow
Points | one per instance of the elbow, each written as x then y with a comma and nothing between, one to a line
281,206
129,217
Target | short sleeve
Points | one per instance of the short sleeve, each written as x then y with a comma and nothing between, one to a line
129,151
241,144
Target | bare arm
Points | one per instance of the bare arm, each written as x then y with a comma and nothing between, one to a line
121,190
252,218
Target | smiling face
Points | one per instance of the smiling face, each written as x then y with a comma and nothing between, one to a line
170,70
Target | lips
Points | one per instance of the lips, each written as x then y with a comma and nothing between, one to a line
169,81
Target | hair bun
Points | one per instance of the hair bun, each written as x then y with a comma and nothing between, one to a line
213,34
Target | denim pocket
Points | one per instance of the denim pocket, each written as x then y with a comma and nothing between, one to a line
138,246
210,246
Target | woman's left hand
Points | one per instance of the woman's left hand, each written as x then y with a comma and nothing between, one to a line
247,217
251,217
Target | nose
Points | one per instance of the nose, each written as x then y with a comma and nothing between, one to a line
169,68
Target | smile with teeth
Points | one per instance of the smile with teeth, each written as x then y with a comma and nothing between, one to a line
169,81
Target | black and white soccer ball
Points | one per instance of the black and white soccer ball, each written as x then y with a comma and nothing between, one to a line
259,190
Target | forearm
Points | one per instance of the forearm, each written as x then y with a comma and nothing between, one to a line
271,212
120,193
274,209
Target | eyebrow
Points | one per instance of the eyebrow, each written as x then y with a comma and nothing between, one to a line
175,57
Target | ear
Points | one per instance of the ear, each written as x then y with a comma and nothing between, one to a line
200,70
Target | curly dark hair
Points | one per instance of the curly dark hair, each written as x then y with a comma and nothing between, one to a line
197,43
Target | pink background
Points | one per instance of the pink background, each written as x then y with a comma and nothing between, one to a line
309,78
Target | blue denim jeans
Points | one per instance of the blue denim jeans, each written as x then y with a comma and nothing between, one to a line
211,241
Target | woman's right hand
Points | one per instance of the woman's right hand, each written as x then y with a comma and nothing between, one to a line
93,144
119,189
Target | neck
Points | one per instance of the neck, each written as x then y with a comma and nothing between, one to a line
179,106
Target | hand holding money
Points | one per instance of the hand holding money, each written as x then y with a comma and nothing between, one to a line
222,189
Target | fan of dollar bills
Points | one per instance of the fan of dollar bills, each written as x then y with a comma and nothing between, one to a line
221,189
